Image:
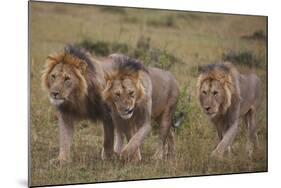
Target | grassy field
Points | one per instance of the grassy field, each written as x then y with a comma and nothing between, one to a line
182,41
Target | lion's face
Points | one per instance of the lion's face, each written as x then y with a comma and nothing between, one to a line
123,94
63,84
212,97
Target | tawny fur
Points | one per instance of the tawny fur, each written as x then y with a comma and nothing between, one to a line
79,81
225,95
156,97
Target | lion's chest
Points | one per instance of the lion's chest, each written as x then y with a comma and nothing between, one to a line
136,121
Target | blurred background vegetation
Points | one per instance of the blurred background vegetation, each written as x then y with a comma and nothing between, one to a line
177,41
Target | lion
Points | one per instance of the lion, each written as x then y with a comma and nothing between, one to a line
136,94
74,83
225,95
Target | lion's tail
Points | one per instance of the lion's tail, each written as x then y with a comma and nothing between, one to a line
178,121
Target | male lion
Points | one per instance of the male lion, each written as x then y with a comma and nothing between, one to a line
225,95
74,82
136,94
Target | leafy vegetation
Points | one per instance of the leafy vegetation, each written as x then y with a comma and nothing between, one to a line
149,56
243,58
257,35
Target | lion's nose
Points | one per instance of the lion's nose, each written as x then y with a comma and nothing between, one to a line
54,94
207,108
127,109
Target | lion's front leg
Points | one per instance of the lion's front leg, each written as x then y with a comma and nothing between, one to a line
135,142
119,141
226,141
108,142
66,130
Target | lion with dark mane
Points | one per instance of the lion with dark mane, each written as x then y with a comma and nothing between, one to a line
225,95
136,94
74,82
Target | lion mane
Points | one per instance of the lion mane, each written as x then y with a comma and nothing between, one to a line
227,75
125,67
156,96
87,71
226,96
87,102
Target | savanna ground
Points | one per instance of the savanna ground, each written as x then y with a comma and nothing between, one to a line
177,41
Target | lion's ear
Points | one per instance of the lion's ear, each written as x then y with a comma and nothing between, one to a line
109,75
139,85
106,91
51,61
83,67
140,90
51,57
106,76
135,75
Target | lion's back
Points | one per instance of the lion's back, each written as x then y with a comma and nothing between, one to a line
249,90
165,89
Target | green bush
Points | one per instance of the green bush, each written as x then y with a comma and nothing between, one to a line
97,48
257,35
148,55
102,48
153,56
183,107
244,58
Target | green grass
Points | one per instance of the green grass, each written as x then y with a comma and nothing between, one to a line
193,38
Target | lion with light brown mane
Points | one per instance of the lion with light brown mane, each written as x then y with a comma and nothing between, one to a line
136,94
74,82
225,95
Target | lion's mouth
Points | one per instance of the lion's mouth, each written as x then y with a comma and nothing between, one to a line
127,114
57,101
211,114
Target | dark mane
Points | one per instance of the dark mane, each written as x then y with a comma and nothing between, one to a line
79,53
123,63
218,66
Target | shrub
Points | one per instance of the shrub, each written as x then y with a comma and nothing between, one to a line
98,48
257,35
101,48
119,48
150,56
153,56
245,58
183,107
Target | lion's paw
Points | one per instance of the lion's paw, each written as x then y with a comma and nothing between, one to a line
108,155
217,155
128,156
59,163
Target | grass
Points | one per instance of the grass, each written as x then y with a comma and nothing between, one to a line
188,40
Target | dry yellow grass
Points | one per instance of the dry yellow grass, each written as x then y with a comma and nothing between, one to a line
195,38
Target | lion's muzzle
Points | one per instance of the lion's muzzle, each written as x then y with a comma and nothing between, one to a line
127,114
55,98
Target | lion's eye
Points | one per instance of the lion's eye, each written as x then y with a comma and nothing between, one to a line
132,93
53,76
66,78
204,92
215,93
